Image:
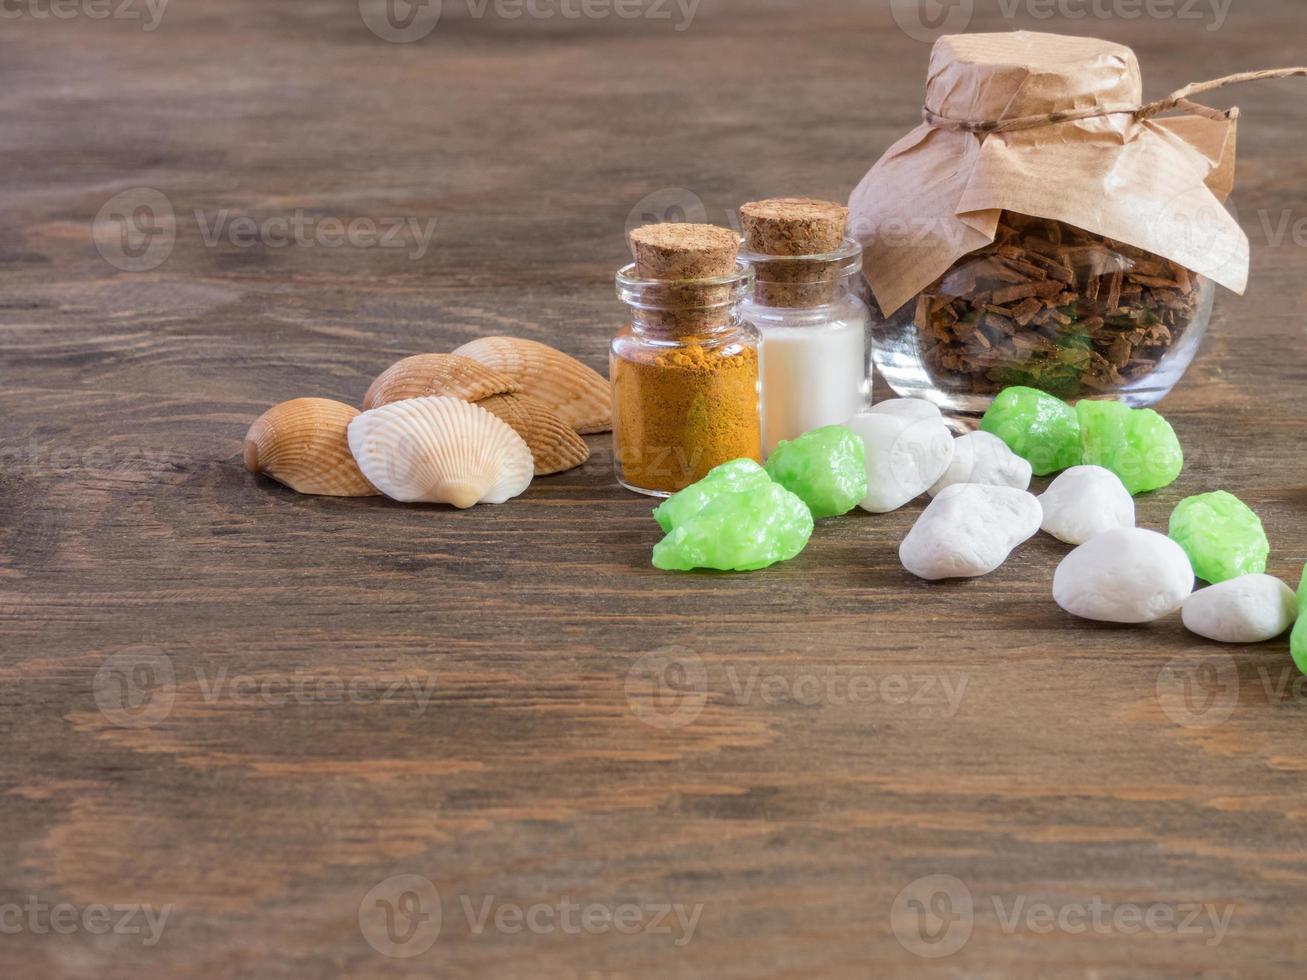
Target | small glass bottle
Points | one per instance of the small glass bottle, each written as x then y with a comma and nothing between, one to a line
685,377
816,340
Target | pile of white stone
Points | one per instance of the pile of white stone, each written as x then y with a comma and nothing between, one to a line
982,511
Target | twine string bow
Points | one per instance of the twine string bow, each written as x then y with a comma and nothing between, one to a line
1177,99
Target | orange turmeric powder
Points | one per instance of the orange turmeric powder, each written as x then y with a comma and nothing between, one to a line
678,413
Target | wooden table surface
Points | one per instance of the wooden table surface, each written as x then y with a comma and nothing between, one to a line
235,717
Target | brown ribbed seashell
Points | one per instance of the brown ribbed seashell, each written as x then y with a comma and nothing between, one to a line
555,446
579,395
426,375
303,443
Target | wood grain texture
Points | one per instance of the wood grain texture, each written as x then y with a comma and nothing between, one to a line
254,708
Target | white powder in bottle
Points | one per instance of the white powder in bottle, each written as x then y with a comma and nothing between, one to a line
814,371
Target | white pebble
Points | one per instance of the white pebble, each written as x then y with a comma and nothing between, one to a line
1126,575
913,408
969,530
1084,502
1247,609
981,457
905,454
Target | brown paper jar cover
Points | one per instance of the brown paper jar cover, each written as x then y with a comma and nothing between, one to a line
1156,184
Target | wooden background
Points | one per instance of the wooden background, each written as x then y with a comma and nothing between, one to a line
254,708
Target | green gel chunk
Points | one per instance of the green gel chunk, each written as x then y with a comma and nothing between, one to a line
740,531
1138,445
1221,535
826,468
738,474
1104,431
1041,429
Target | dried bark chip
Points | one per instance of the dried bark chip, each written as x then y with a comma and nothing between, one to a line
1114,291
923,311
1026,311
1027,269
1156,281
1010,294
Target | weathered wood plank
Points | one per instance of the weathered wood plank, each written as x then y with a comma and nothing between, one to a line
253,708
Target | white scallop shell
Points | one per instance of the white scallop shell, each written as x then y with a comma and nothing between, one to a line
440,450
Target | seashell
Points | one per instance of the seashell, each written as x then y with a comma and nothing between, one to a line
554,444
303,444
580,396
440,450
437,374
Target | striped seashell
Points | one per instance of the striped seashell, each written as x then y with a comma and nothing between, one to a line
425,375
303,444
554,444
581,397
440,450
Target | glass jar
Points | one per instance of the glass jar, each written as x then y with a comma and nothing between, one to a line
1048,306
685,381
816,340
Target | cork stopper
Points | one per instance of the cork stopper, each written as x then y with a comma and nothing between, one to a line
790,227
683,251
793,226
682,255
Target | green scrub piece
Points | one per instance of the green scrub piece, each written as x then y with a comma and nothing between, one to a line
1041,429
738,474
1221,535
826,468
738,531
1138,445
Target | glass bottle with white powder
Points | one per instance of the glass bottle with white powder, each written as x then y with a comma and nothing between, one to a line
816,330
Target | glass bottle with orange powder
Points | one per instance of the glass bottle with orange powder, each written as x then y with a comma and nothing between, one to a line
685,371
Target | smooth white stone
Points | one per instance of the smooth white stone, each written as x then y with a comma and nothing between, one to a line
981,457
1247,609
1126,575
969,530
1084,502
905,455
913,408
